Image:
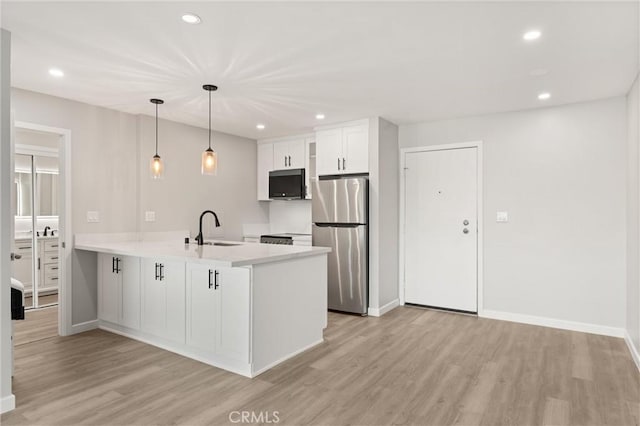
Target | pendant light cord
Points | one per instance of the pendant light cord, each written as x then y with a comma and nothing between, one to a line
209,119
156,130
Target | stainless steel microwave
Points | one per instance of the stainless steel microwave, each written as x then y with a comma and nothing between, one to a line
287,184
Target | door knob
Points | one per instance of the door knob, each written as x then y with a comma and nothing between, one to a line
465,231
466,222
15,256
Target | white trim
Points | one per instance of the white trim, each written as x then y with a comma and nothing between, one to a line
480,220
84,326
287,138
7,403
360,122
554,323
41,151
378,312
65,224
634,351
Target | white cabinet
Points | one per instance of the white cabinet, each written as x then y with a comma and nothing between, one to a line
119,290
163,299
265,165
22,269
289,154
218,310
342,150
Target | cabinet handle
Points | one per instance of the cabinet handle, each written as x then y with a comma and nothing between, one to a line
338,163
210,278
54,269
157,275
118,265
54,278
113,264
38,263
161,272
54,258
344,167
285,161
54,245
24,248
216,285
289,161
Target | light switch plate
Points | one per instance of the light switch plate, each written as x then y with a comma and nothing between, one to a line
502,217
149,216
93,217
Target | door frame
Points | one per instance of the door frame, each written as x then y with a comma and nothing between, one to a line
64,222
480,224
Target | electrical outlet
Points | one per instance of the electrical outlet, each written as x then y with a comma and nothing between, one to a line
149,216
502,217
93,217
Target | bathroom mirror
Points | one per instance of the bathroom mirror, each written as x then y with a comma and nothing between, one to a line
47,184
22,206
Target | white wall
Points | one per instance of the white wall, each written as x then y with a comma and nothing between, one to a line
110,161
184,193
383,215
560,173
633,215
7,400
290,216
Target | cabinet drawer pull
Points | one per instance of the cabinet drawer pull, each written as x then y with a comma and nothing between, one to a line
118,270
161,272
54,269
344,167
54,245
54,278
338,163
289,161
285,161
24,248
157,275
54,258
113,264
216,285
210,278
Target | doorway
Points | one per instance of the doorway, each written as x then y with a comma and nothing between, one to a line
441,235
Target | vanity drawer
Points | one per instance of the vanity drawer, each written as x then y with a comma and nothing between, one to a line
51,269
51,245
24,247
50,257
51,280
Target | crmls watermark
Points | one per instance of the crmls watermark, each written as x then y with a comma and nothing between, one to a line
247,417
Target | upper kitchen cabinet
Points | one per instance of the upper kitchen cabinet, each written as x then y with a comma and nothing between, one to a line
292,152
343,150
265,165
289,154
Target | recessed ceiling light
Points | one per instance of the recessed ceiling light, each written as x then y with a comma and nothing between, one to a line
56,72
532,35
320,116
190,18
544,96
260,126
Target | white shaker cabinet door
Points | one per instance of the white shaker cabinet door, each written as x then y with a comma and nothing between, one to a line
163,299
233,313
201,307
297,153
265,165
108,288
130,284
355,149
329,152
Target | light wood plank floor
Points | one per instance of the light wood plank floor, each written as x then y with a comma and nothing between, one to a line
38,324
411,366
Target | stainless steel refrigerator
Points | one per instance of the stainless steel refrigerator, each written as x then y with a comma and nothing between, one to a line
340,209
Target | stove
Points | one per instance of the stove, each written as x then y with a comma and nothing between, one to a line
277,239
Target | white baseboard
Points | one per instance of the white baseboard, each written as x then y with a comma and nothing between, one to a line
634,351
84,326
7,403
554,323
378,312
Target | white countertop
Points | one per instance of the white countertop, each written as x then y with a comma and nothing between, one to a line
239,255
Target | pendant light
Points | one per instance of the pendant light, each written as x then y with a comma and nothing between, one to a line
157,166
209,156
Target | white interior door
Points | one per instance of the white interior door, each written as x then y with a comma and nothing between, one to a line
441,233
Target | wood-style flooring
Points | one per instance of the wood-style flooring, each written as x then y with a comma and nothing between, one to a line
38,324
47,299
411,366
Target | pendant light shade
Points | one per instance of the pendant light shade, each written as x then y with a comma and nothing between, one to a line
209,156
157,165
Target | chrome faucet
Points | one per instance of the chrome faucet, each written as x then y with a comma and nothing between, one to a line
46,228
200,238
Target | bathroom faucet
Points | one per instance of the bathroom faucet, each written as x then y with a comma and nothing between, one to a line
200,238
46,228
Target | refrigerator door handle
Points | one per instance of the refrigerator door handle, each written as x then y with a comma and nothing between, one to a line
338,225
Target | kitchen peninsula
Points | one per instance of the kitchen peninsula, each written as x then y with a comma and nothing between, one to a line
242,307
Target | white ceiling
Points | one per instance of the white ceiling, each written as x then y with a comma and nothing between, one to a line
281,63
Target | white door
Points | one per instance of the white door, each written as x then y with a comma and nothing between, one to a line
201,307
355,149
441,236
297,150
233,301
329,152
129,271
281,155
154,299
